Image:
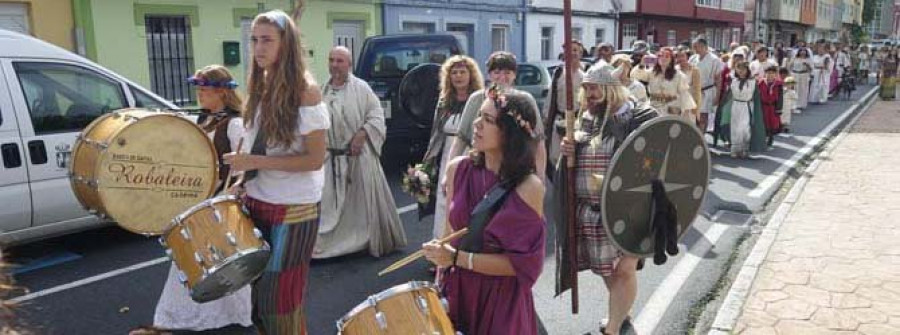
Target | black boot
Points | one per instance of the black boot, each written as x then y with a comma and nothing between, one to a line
658,217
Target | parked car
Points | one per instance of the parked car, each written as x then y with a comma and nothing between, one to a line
534,78
383,62
47,96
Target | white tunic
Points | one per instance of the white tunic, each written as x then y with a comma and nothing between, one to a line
711,68
741,110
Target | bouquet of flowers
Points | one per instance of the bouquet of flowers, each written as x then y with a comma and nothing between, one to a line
419,181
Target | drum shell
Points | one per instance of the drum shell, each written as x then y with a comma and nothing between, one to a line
207,230
146,209
402,310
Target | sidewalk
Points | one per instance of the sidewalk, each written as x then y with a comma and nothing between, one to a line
834,262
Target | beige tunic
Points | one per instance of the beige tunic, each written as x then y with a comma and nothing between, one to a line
668,96
358,210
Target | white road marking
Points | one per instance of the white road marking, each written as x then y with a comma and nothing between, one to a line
89,280
107,275
663,295
779,175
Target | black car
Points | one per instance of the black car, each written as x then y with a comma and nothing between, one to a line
383,62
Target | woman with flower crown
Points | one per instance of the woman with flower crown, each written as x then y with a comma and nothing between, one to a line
489,287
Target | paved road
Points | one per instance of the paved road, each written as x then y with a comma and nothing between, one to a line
127,297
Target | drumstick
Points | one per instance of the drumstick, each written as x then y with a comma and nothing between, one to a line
418,254
228,179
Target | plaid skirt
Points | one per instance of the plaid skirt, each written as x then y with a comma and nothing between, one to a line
277,295
595,251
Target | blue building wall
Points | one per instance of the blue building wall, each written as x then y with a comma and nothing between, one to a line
459,15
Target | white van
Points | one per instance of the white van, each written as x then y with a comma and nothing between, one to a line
47,96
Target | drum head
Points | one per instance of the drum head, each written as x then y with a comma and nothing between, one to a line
155,168
666,148
232,275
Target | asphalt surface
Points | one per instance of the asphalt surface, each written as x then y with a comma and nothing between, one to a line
116,304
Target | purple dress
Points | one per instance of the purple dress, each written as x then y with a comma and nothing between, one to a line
482,304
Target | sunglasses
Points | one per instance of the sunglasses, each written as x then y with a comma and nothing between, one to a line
209,83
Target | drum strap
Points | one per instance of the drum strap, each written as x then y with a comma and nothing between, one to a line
259,148
481,215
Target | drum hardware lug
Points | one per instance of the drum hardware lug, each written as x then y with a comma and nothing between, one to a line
445,304
423,304
198,258
257,233
218,215
185,233
182,277
162,241
169,254
231,239
215,253
116,115
381,319
93,183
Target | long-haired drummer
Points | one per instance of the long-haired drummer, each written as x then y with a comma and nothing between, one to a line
286,125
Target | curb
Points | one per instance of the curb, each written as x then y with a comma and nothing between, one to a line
732,306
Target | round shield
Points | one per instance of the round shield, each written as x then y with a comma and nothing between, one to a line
667,148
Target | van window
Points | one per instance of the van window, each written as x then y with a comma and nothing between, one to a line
528,75
64,98
143,100
395,60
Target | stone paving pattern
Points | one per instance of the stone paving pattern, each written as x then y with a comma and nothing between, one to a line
834,267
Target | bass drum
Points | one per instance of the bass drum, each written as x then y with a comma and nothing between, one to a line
142,168
419,92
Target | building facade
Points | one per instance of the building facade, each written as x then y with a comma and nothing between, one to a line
592,24
881,26
784,23
326,23
482,27
49,20
672,22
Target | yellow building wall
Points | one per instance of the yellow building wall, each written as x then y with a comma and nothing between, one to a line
50,20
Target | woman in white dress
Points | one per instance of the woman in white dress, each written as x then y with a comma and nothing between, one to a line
742,89
864,65
669,88
821,76
175,309
460,77
801,68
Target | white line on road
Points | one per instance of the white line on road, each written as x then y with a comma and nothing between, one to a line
665,293
103,276
89,280
779,175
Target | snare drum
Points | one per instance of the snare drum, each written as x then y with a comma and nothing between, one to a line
142,168
216,248
411,308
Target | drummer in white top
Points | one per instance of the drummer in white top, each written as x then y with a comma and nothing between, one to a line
711,68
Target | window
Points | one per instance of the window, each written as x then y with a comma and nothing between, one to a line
736,35
599,36
418,27
64,97
726,39
396,60
528,75
546,43
465,33
672,38
499,33
144,100
629,34
171,58
709,3
578,34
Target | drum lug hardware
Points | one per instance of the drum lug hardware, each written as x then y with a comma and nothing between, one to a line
231,239
182,277
198,258
423,304
185,234
169,254
93,183
218,215
116,115
215,253
445,304
162,241
381,319
257,233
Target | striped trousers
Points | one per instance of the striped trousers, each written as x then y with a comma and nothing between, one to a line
277,295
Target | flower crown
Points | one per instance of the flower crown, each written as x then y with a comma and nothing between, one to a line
498,95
